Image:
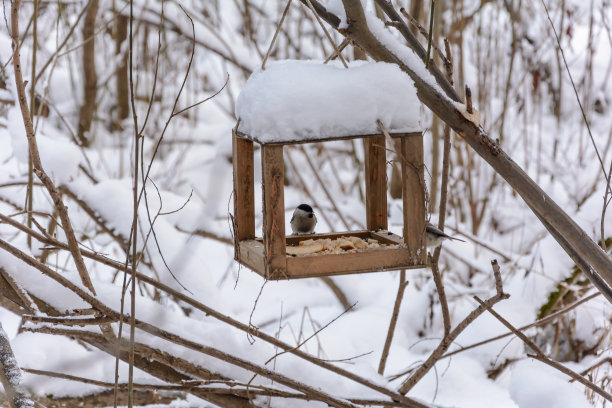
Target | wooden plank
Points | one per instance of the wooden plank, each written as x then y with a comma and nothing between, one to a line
387,237
375,260
273,174
251,254
376,183
326,139
244,184
413,176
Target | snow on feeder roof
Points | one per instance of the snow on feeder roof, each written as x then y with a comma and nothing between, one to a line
295,101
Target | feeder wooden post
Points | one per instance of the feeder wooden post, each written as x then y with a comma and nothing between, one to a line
244,195
273,210
376,183
413,174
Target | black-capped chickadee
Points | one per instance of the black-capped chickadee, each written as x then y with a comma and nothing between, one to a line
435,236
303,220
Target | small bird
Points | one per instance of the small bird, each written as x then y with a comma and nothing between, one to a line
435,236
303,221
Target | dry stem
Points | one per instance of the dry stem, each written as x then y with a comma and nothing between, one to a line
540,356
450,338
35,155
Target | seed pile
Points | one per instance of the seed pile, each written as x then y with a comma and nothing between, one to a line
334,246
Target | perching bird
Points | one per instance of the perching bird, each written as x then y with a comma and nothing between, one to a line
303,220
435,236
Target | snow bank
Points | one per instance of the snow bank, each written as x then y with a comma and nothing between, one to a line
308,100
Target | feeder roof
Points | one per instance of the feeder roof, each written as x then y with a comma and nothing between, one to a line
296,101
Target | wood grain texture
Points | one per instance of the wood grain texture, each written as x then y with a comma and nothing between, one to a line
244,184
273,174
373,260
413,174
376,183
251,255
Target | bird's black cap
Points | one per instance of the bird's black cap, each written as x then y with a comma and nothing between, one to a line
305,207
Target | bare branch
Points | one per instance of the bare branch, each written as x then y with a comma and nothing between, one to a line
403,284
540,356
450,338
35,155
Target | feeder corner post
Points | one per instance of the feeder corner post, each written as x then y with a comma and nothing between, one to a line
244,184
273,179
413,177
376,183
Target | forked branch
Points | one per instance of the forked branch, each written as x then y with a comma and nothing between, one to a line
450,338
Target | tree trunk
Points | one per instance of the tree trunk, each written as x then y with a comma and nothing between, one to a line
121,77
90,83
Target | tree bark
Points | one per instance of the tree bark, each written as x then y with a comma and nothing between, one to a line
90,83
121,77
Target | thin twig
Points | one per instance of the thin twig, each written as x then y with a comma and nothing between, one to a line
340,48
278,27
434,260
448,340
134,227
586,122
540,322
468,100
329,38
298,174
429,40
205,99
403,284
421,30
35,155
63,43
324,187
437,277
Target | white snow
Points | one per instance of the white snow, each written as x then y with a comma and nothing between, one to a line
337,8
400,50
60,158
196,158
308,100
550,382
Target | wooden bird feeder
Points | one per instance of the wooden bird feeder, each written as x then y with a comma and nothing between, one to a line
267,255
293,102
